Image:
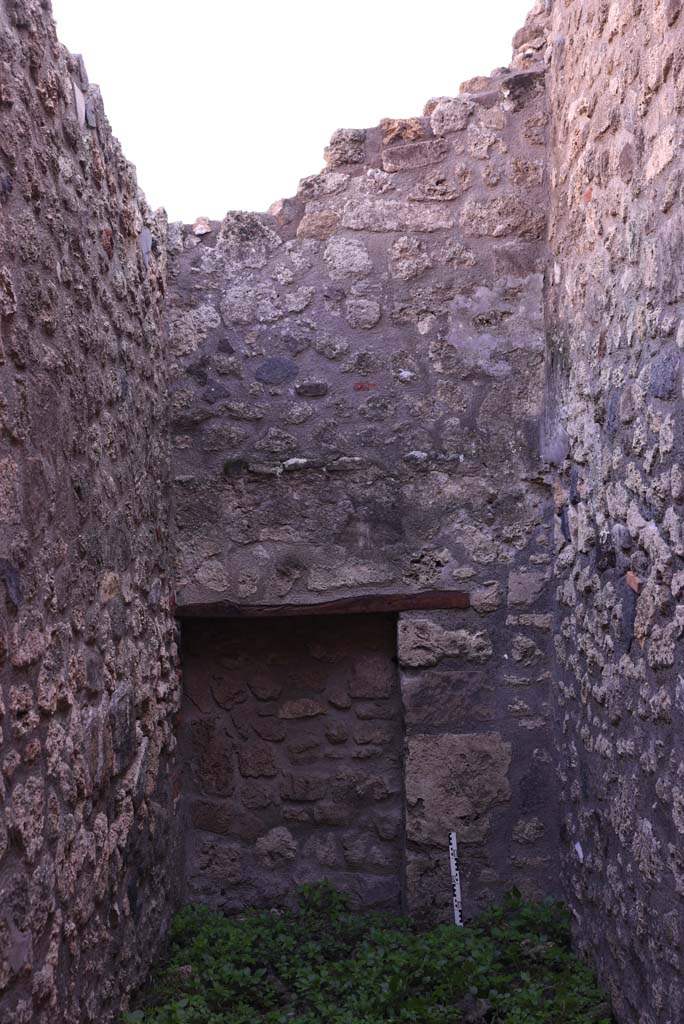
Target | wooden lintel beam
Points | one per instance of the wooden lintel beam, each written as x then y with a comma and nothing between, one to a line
427,600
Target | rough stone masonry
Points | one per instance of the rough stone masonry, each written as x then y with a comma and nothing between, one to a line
356,390
441,388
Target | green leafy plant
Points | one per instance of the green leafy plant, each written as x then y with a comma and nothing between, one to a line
325,963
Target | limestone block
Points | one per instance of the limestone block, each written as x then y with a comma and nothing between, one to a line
451,114
373,677
256,760
304,707
327,183
525,587
347,257
306,788
453,782
528,830
500,217
444,698
422,643
331,577
219,861
347,146
276,847
319,224
254,300
212,757
187,329
408,258
393,215
362,312
486,598
323,849
414,154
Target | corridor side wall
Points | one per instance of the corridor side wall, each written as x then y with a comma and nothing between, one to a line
616,332
87,641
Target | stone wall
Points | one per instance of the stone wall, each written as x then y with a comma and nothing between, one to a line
87,653
292,739
357,375
357,382
477,760
616,332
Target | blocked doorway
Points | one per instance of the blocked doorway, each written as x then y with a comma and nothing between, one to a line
291,746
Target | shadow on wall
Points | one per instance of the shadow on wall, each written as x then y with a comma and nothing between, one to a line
292,752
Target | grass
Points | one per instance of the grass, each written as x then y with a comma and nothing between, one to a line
327,964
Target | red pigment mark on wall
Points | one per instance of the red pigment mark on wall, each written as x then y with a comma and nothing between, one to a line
588,194
634,582
364,385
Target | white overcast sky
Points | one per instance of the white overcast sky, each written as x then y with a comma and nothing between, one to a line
225,105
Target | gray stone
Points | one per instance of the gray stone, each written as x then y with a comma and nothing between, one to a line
393,215
312,389
364,313
664,374
347,146
276,370
347,257
276,847
451,114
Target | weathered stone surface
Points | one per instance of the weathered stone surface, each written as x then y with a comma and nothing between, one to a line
256,760
408,258
354,397
318,224
276,846
325,577
444,699
486,598
327,183
393,215
323,849
524,588
88,832
347,146
275,766
616,301
302,708
414,154
244,303
303,787
362,312
528,831
451,114
373,677
276,370
219,862
399,129
423,643
501,218
347,257
453,782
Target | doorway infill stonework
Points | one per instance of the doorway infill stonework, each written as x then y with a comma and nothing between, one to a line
292,742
